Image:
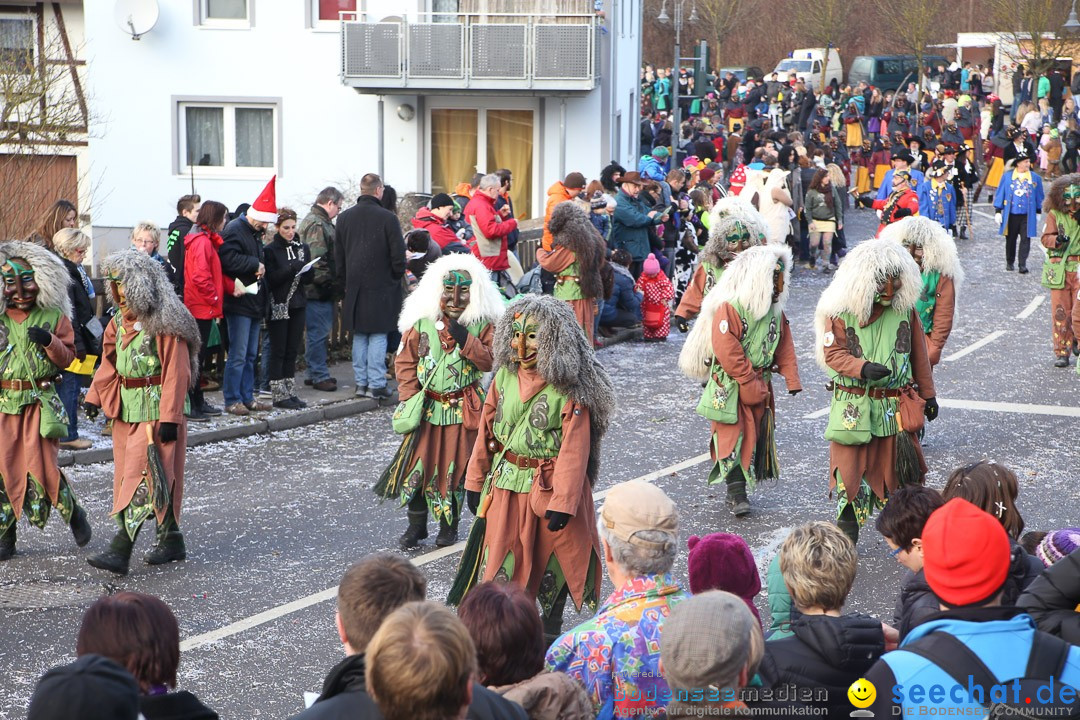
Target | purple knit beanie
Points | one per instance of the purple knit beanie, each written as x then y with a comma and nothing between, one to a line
1057,545
723,561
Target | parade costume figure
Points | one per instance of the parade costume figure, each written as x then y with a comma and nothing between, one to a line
1017,203
1061,238
741,338
734,225
934,251
902,202
870,341
769,188
937,196
149,360
535,462
576,257
447,326
37,341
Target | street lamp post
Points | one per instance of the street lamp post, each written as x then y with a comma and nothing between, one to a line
676,112
1072,24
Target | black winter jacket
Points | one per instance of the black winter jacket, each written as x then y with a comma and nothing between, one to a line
369,256
915,603
180,705
174,250
1051,599
344,697
825,652
283,260
82,311
1023,569
241,253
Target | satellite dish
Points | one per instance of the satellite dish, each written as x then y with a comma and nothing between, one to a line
136,17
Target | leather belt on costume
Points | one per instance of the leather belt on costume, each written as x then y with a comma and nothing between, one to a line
522,462
19,385
876,393
451,397
139,382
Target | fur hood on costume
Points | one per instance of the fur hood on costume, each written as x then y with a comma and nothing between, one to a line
49,272
571,228
152,299
485,300
856,282
565,360
723,215
1055,194
748,281
939,249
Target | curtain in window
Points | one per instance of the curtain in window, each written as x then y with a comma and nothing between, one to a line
226,9
510,145
205,136
329,9
450,7
254,137
529,7
453,148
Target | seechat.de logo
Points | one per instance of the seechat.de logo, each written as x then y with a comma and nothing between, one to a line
862,694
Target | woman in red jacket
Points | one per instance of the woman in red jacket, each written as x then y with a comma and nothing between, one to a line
205,288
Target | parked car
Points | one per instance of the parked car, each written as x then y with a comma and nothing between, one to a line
742,72
806,64
889,72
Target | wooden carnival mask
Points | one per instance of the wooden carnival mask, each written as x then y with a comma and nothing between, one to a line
457,287
20,285
524,341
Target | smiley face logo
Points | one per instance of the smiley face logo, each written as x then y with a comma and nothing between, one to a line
862,693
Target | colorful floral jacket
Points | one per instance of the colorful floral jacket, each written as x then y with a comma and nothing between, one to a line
616,655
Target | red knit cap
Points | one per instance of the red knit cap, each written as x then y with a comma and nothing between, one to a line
965,554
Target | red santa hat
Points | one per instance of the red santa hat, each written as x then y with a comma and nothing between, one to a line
265,206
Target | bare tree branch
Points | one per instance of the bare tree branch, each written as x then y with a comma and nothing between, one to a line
1028,30
914,25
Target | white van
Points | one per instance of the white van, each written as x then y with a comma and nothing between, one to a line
806,63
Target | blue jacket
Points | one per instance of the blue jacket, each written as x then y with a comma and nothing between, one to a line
602,223
1003,201
652,169
1002,641
623,297
886,185
928,207
630,226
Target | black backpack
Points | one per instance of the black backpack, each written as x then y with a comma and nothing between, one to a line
1041,679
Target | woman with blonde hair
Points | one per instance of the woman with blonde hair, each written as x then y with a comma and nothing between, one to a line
72,245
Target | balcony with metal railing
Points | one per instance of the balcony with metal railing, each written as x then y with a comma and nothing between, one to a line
467,53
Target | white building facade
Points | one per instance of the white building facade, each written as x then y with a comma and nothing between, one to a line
223,94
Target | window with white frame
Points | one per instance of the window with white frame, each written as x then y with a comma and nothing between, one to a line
224,13
16,42
325,14
232,138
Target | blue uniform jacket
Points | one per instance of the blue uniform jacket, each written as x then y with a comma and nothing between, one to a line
1003,201
886,185
928,203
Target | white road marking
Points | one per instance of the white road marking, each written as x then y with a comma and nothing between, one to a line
274,613
999,407
1032,307
817,413
974,346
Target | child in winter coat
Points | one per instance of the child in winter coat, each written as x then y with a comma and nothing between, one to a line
598,214
1051,146
656,305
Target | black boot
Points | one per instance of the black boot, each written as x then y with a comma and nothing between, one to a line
447,533
1062,361
7,543
170,543
963,232
80,526
417,530
736,498
553,621
849,524
117,558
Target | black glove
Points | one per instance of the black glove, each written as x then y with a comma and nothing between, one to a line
458,331
902,213
793,393
472,499
1061,242
931,411
91,410
167,432
556,520
39,335
682,323
875,371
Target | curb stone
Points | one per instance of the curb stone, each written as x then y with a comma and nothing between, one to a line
287,421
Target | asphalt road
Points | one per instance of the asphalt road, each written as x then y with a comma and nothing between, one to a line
272,521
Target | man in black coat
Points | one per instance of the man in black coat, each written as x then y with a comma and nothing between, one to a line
372,589
369,254
187,209
241,255
1057,93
